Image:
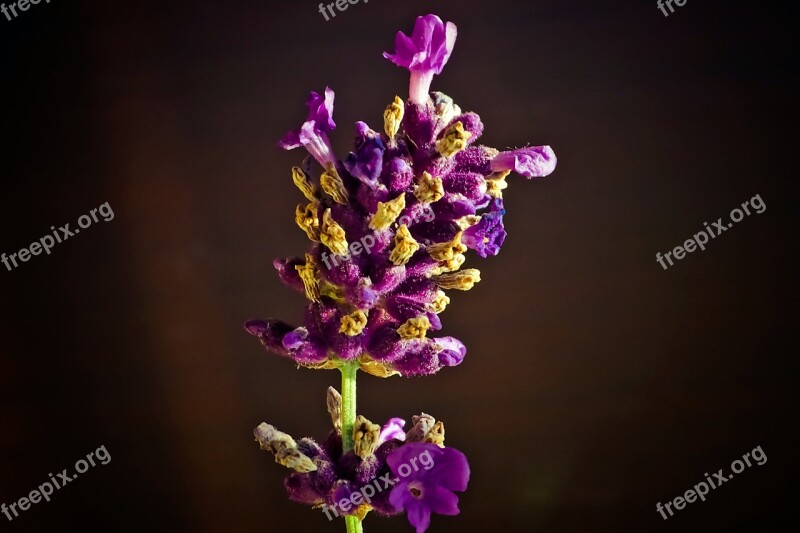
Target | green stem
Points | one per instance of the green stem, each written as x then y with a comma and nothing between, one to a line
348,403
353,524
349,371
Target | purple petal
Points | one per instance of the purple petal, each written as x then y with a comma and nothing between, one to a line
320,110
411,450
294,339
531,162
441,501
419,514
450,470
290,141
429,47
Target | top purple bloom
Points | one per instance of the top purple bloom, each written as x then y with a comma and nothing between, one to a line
428,48
425,53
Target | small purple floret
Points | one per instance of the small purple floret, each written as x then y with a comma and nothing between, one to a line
487,236
366,163
313,133
531,162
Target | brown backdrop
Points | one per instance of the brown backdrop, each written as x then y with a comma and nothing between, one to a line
596,383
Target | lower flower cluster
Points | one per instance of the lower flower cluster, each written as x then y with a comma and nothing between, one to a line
388,471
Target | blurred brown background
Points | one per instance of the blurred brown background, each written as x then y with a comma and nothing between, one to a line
596,384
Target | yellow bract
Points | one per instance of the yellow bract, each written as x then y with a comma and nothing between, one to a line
404,246
309,274
429,189
414,328
332,184
496,183
387,213
332,234
462,281
453,141
306,218
445,251
354,323
302,182
441,302
393,116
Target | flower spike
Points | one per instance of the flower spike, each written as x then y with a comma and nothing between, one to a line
394,226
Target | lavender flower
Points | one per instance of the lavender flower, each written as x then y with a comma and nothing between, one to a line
390,227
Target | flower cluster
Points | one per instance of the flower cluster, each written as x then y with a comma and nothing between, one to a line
326,476
422,192
379,307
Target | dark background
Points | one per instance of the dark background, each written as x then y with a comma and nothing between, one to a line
596,383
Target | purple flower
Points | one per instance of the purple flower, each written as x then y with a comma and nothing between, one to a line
487,236
429,488
531,162
389,227
366,163
424,53
313,133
